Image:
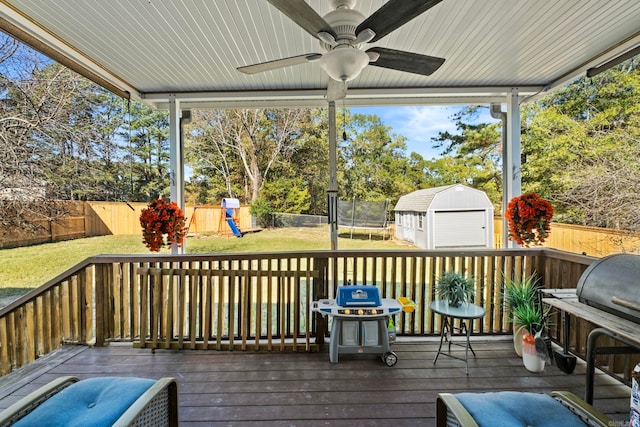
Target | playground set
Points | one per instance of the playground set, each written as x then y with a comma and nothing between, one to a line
230,214
229,218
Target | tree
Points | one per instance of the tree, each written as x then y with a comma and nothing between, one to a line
253,141
372,163
216,165
472,156
310,160
582,144
417,173
43,147
59,129
148,138
288,195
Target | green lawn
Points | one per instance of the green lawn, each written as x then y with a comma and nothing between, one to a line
29,267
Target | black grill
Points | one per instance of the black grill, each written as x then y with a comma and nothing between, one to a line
612,284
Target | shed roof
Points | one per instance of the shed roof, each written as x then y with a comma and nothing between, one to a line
425,199
189,49
419,200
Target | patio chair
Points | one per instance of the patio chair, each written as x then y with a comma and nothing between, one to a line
104,401
510,408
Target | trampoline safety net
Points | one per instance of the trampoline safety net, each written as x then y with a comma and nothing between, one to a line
360,214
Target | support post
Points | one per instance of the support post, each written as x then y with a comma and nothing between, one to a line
333,178
511,163
176,159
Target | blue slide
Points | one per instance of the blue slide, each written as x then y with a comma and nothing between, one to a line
234,229
232,224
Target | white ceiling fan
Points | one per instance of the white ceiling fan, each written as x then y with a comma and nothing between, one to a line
344,33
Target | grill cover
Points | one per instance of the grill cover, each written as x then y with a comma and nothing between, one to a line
613,277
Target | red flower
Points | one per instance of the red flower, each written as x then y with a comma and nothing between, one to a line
162,218
529,217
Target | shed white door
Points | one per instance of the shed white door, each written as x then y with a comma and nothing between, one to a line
460,229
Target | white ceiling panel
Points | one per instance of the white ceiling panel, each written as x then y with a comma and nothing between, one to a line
191,48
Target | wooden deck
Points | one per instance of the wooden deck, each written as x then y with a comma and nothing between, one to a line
303,389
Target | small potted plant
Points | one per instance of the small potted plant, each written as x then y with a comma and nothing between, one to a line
455,288
518,293
530,319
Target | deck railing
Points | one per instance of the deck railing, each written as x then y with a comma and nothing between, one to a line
256,301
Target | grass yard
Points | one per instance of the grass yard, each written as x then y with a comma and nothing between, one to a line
22,269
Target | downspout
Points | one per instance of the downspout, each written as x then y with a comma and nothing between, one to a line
185,119
498,114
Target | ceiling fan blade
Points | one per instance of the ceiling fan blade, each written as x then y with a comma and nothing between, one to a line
279,63
302,14
406,61
336,90
394,14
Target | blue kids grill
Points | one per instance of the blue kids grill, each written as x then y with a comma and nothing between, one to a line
361,322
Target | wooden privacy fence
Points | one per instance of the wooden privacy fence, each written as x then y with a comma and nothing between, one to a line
592,241
122,218
258,301
88,219
45,229
119,218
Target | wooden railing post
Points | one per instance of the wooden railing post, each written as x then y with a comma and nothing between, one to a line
102,300
320,290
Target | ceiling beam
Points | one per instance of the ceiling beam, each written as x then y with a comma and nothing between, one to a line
38,38
355,97
629,44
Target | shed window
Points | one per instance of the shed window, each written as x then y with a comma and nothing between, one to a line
420,220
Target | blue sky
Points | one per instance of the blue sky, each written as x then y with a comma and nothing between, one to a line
419,123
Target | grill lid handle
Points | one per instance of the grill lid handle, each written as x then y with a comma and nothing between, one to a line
625,303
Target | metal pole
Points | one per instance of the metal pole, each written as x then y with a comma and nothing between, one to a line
333,178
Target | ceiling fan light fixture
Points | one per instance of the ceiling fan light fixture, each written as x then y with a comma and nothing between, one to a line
344,63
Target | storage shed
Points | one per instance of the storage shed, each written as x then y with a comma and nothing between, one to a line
452,216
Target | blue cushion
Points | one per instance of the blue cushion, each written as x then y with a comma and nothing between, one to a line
510,408
92,402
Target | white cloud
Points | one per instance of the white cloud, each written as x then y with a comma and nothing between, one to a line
419,124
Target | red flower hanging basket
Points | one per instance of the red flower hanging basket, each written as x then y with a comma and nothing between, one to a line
529,218
163,224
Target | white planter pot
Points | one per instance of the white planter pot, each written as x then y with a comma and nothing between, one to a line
532,361
518,334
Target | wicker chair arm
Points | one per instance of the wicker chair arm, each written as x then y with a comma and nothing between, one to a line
31,401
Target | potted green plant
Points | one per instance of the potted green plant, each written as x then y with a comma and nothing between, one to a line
455,288
518,293
530,318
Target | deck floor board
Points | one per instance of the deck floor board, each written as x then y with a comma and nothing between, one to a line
304,389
